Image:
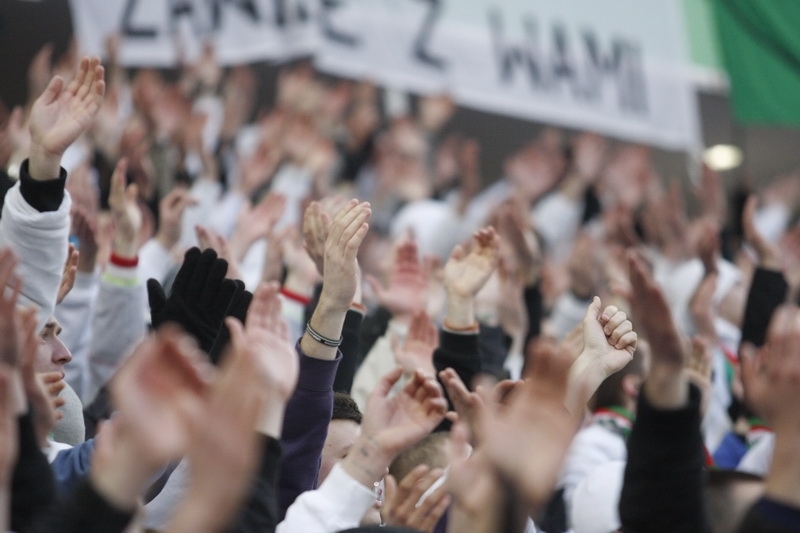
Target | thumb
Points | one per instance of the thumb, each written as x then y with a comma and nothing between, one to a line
52,90
236,331
155,296
593,311
389,491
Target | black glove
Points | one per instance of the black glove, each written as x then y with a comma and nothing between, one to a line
238,309
199,299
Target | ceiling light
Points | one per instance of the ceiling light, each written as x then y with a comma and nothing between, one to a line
721,157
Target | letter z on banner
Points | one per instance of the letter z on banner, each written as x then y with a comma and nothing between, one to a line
158,32
616,67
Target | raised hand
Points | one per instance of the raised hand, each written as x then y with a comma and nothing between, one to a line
256,222
470,407
84,227
61,114
699,368
68,277
391,425
341,275
708,243
316,226
42,405
8,435
768,254
210,240
666,385
534,419
265,337
11,284
400,504
772,388
159,392
608,344
398,422
200,297
170,211
223,453
465,273
407,291
416,352
125,212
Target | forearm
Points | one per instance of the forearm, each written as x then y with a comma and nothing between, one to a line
460,311
664,478
43,165
367,461
305,426
667,386
327,321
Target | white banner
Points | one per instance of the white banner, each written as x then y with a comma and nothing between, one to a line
157,32
617,67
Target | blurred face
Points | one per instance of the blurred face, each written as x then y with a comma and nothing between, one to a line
52,355
341,436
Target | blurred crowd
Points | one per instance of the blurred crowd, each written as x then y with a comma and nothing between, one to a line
572,343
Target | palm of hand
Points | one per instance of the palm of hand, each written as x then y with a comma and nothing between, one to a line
278,359
540,425
56,125
403,422
414,354
157,413
404,295
465,277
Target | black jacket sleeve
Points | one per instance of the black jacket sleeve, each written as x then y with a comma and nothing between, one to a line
83,510
45,195
260,514
767,292
461,352
33,488
534,304
664,476
373,328
343,381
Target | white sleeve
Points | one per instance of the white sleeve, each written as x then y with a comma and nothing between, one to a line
558,218
39,239
75,316
339,503
119,324
154,261
225,214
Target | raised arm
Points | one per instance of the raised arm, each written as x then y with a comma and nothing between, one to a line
465,273
35,221
772,381
309,410
664,479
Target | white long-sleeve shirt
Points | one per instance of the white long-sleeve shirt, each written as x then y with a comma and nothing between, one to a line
339,503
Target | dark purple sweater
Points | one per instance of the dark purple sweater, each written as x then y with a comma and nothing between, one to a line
305,426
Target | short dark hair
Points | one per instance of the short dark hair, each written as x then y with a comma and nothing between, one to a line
345,408
431,451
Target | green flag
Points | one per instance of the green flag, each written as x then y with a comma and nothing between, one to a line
761,46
